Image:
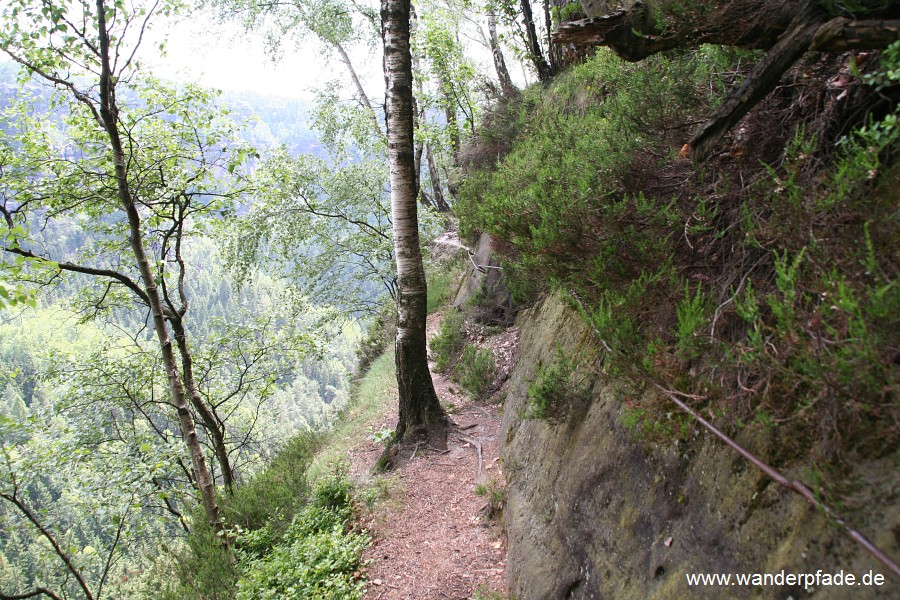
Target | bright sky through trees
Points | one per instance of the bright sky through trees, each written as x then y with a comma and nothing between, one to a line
221,55
203,50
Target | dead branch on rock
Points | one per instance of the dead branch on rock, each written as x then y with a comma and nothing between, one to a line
793,485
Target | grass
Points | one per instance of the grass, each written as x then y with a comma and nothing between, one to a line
485,593
495,494
440,286
372,399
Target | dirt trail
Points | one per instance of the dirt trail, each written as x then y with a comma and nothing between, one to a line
435,540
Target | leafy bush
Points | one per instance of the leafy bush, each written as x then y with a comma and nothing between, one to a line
448,343
316,558
551,387
564,200
260,510
279,489
475,370
198,569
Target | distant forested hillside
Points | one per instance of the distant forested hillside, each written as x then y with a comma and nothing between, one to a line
275,120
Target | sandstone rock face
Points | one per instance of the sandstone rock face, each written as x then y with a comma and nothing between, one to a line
595,510
494,306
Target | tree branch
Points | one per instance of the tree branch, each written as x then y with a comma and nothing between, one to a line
762,80
75,268
793,485
14,500
36,592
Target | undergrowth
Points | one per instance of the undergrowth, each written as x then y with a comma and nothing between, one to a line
448,342
267,502
471,367
766,291
317,557
495,493
475,370
288,522
551,387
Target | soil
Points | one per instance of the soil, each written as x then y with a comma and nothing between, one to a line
435,538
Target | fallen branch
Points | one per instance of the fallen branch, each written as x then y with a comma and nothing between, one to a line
477,447
793,485
761,81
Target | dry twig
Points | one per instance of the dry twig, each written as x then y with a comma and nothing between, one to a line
793,485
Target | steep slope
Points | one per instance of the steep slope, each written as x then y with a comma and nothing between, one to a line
761,288
597,508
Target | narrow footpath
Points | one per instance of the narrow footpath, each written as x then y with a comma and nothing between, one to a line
435,538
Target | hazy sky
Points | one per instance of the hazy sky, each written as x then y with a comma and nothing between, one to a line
202,49
225,57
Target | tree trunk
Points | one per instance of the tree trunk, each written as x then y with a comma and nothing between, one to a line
418,110
214,428
453,130
506,84
109,114
535,54
421,415
553,54
635,30
452,121
439,201
360,90
785,29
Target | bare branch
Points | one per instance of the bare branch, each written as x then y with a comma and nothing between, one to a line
75,268
793,485
15,501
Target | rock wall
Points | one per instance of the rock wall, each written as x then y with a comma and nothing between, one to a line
594,511
484,278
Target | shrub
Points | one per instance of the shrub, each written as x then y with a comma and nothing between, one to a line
279,489
260,511
692,315
475,370
552,385
448,343
316,558
788,265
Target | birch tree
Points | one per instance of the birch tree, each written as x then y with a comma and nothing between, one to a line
420,412
141,174
339,25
